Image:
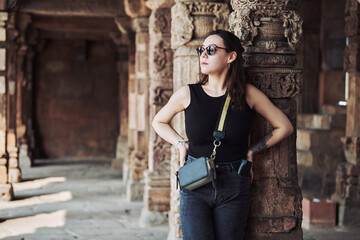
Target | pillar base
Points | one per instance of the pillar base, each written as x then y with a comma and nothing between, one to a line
135,190
117,163
152,218
121,148
14,175
6,192
24,158
348,216
171,236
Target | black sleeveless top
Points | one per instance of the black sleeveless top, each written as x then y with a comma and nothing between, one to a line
201,118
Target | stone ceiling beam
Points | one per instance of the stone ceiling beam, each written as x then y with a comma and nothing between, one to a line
88,8
74,24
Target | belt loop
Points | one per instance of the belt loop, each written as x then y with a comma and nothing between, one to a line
232,166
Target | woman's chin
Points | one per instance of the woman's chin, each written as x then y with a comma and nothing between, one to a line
204,71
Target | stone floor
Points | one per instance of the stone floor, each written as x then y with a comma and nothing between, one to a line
82,200
85,200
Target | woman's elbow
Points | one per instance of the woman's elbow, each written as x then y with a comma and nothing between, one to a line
289,129
154,123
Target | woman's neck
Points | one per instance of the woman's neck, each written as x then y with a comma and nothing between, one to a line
216,83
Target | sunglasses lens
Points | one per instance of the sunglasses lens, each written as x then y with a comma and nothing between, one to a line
199,50
210,50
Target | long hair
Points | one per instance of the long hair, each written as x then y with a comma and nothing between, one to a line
235,81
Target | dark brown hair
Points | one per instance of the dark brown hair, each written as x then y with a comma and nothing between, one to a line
235,81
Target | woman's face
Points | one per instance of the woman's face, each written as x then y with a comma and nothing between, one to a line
218,62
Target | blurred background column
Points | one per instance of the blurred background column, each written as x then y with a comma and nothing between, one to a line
347,192
157,177
138,135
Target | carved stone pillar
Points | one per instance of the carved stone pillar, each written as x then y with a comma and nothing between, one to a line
347,180
138,135
157,177
190,22
14,173
269,31
121,40
6,189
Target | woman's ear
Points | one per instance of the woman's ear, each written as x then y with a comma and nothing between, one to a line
232,57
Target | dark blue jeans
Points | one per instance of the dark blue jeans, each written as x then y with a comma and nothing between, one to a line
216,214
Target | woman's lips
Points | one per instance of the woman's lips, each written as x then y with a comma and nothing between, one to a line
203,63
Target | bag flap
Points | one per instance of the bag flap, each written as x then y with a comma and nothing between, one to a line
193,171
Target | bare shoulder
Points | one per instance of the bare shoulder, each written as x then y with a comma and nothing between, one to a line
181,97
253,94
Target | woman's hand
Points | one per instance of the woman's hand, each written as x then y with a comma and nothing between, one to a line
250,155
183,148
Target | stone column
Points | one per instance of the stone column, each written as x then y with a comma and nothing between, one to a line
138,138
13,53
24,70
190,22
157,177
6,189
269,31
347,176
121,40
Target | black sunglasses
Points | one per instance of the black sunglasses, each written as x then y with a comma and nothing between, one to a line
210,50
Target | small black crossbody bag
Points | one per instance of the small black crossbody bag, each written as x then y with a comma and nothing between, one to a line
202,171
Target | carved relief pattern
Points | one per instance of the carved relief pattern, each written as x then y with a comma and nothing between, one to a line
243,27
162,95
183,14
350,56
162,153
278,84
247,18
270,5
265,60
292,27
162,22
352,25
162,57
181,25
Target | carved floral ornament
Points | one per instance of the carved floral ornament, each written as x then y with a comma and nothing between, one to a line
162,95
245,23
278,84
265,5
183,14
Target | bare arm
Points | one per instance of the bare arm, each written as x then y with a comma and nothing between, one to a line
161,122
281,124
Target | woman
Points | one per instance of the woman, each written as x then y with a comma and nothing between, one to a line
219,211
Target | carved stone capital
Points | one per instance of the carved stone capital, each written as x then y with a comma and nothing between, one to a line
141,24
124,25
270,8
270,28
184,14
136,8
276,82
